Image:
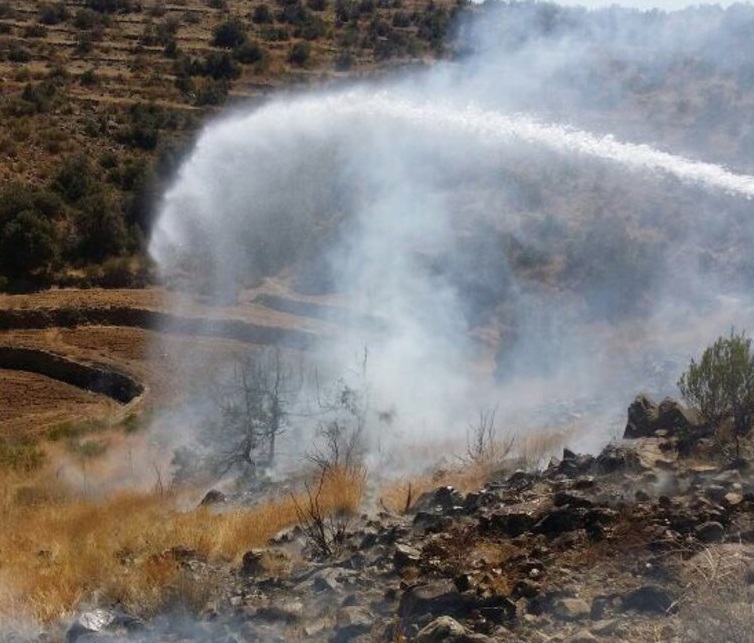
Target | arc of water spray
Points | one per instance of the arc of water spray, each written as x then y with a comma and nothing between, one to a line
494,125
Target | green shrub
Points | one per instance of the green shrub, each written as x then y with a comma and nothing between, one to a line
721,384
74,179
112,6
18,54
53,14
229,34
300,53
28,245
220,65
249,52
35,31
89,78
262,15
100,227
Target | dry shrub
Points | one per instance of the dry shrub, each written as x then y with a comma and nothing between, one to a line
56,554
718,605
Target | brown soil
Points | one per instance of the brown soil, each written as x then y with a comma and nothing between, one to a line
31,403
83,326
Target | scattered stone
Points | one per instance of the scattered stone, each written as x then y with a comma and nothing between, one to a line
437,599
441,630
405,557
583,636
352,622
572,609
649,598
604,627
440,500
508,523
710,532
251,563
93,622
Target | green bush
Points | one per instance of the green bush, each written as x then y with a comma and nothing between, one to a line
721,384
229,34
249,52
28,245
300,53
112,6
262,15
74,179
35,31
100,227
53,14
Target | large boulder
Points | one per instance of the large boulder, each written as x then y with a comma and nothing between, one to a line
642,418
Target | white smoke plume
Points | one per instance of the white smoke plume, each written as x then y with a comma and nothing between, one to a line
487,257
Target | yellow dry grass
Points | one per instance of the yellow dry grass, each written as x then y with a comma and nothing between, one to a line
526,451
58,550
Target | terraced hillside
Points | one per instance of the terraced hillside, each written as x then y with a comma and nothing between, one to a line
83,355
100,98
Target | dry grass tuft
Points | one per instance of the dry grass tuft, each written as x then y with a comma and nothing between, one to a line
718,601
60,550
495,455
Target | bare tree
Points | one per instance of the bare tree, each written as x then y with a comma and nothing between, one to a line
250,405
342,412
483,444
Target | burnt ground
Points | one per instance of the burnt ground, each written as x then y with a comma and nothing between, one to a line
635,544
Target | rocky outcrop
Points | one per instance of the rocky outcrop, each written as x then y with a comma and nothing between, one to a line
646,418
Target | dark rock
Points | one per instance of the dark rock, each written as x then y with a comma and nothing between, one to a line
560,520
213,497
463,582
405,556
526,588
615,458
710,532
642,418
674,417
436,599
650,598
508,523
351,622
326,581
431,523
563,498
573,465
715,492
498,611
251,563
440,500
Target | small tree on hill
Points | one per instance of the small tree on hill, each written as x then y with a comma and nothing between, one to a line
721,384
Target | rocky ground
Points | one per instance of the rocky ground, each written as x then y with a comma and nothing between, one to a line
634,544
